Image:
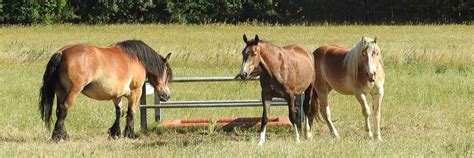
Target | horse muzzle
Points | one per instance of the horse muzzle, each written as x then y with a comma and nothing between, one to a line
244,75
371,76
164,98
164,95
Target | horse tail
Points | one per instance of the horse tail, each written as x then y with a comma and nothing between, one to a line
47,91
316,106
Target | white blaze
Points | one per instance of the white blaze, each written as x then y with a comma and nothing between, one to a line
244,63
371,66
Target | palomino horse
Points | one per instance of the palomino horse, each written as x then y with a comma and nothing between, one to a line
284,72
358,71
103,74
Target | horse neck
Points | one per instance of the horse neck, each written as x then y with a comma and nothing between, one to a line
273,63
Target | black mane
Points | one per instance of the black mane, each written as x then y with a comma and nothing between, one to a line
152,61
254,42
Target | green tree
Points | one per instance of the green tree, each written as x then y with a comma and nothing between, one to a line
1,11
37,12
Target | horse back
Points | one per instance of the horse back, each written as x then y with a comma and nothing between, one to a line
300,61
298,50
89,57
330,53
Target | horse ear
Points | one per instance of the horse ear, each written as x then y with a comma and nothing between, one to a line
245,38
167,57
363,40
375,39
256,38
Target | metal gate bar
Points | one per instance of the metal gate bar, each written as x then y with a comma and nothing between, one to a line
206,103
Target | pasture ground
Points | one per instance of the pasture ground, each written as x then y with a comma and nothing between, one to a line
428,109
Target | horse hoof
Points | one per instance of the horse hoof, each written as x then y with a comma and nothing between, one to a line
370,135
131,136
379,139
309,136
114,134
114,137
260,143
59,138
56,139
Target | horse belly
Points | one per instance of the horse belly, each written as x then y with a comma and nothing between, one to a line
274,89
278,94
335,76
340,84
338,87
104,90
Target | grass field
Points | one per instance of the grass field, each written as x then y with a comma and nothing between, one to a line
428,109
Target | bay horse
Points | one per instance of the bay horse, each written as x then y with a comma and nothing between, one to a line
284,72
103,74
357,71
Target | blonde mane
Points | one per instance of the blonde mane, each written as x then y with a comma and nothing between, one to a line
351,61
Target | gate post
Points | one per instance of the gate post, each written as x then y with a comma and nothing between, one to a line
157,109
143,121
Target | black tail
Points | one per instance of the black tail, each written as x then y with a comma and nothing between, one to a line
47,91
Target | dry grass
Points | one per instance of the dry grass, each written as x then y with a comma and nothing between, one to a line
428,108
220,45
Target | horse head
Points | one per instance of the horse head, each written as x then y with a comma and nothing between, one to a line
251,57
160,83
369,57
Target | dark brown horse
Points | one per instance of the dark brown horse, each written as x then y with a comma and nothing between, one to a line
284,72
357,71
103,74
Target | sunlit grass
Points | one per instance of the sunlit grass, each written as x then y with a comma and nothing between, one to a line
220,45
427,109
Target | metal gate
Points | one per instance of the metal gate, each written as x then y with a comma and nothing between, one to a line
157,106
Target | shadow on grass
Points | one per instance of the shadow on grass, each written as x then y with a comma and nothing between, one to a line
186,136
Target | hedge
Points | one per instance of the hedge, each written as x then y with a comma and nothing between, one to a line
235,11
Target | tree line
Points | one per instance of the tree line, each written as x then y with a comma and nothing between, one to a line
236,11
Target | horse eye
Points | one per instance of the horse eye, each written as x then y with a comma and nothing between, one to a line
253,53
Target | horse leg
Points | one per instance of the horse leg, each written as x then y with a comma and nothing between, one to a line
64,102
266,101
308,110
361,97
292,115
326,112
114,131
132,103
377,101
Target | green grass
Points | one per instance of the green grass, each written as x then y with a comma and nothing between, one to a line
428,109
